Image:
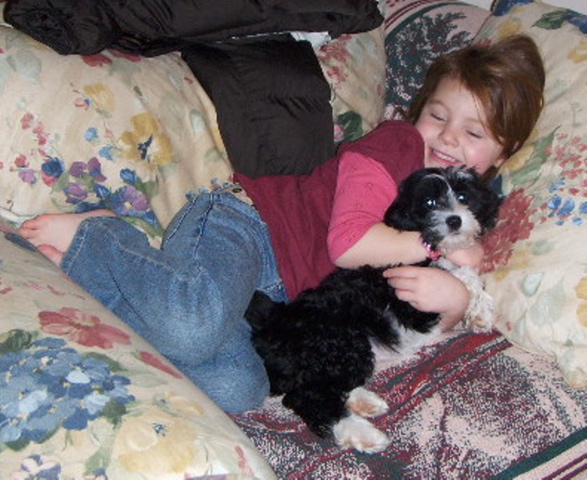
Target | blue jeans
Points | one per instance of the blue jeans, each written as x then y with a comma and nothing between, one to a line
188,298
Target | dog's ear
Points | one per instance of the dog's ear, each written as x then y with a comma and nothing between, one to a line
259,313
492,203
488,202
400,214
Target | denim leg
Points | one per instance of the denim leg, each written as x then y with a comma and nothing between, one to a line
187,298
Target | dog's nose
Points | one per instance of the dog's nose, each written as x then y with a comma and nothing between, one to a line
454,222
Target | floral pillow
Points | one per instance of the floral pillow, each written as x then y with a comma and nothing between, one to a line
136,134
84,397
537,256
354,66
103,131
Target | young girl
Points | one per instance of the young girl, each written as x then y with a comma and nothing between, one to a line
188,298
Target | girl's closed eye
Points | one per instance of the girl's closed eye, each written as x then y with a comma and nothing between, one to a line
436,112
475,129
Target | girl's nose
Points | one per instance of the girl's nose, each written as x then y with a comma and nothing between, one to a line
448,136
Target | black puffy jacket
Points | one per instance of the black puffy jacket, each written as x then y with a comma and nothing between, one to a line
272,100
151,27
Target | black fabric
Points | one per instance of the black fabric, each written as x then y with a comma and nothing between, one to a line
273,103
272,100
83,27
151,27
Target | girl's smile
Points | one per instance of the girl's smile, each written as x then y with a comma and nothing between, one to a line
453,126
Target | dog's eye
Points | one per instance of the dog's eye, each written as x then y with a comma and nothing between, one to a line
463,198
430,202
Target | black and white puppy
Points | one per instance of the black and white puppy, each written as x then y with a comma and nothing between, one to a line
319,350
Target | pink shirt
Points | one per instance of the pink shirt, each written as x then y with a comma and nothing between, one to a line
364,191
306,214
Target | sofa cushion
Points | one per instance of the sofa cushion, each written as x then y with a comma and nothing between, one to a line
107,130
136,134
537,256
82,396
416,34
354,66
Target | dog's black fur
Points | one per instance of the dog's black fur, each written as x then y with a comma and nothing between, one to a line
318,348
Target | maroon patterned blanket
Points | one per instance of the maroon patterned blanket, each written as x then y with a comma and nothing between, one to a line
470,406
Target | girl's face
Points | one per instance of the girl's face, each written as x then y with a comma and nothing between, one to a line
452,124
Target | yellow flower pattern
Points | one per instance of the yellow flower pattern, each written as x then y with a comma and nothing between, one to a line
146,141
102,97
510,27
579,53
581,290
156,442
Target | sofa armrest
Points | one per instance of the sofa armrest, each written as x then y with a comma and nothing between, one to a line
83,396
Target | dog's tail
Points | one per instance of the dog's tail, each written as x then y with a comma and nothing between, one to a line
259,310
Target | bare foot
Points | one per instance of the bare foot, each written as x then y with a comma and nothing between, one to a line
57,230
51,253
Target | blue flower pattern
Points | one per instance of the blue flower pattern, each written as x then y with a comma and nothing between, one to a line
504,6
564,208
53,167
36,467
49,385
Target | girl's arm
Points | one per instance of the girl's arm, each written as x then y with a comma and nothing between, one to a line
357,235
381,246
431,290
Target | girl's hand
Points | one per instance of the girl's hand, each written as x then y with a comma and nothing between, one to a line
467,257
430,290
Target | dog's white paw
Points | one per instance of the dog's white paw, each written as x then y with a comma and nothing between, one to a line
360,434
365,403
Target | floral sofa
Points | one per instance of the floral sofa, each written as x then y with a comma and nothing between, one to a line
83,397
